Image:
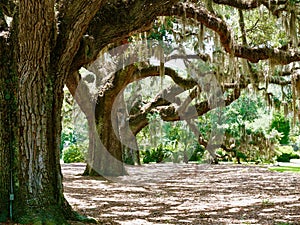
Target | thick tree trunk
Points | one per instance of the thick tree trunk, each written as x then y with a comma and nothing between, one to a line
107,137
8,128
5,149
40,192
93,156
129,143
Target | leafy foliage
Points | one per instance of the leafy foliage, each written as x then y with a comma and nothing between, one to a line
74,138
162,29
286,157
74,153
196,152
282,125
168,141
157,155
286,153
248,136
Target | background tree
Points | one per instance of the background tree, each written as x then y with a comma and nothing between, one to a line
226,67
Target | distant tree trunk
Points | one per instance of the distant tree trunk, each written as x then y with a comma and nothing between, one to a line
93,155
107,126
82,96
129,142
138,156
104,157
106,139
105,150
108,135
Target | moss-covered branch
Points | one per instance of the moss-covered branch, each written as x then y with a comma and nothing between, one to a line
253,54
251,4
118,20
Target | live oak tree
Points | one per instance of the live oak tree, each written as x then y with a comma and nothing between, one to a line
44,43
226,69
120,126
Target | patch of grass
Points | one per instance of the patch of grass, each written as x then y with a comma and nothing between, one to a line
286,169
284,224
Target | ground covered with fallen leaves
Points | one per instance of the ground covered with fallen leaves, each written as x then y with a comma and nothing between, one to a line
186,194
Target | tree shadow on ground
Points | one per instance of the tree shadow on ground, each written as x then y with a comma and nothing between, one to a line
187,194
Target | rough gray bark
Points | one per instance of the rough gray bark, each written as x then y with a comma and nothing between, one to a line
40,191
34,74
8,128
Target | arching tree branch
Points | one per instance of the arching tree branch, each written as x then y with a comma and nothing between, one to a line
118,20
279,81
251,4
112,85
218,25
107,27
74,21
175,111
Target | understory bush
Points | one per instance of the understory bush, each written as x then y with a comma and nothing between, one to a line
286,153
74,153
165,153
157,155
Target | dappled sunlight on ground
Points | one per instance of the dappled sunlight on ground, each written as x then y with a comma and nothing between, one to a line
187,194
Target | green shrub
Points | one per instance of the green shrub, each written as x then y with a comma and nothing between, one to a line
74,153
147,157
157,155
160,154
286,157
241,155
286,153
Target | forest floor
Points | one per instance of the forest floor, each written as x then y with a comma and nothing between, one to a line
187,194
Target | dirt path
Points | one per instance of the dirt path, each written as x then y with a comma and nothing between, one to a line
187,194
